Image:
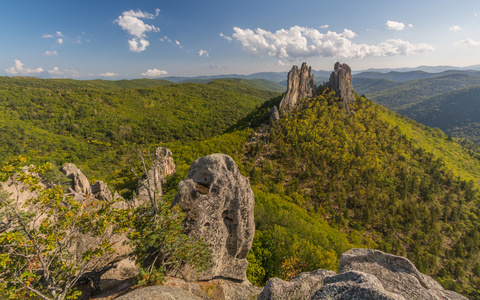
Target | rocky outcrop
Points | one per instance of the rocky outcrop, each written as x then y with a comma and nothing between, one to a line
80,182
219,204
162,166
363,274
100,191
300,84
302,286
341,83
274,114
397,274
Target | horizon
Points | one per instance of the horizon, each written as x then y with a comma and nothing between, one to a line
153,39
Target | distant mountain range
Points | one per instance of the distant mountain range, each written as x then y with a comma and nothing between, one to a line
399,74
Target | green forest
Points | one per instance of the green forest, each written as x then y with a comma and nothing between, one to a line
324,181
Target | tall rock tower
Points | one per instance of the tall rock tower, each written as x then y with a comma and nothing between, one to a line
300,84
341,82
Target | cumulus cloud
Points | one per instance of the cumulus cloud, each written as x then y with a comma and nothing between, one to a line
19,69
324,26
138,45
303,42
50,53
455,28
154,73
108,74
203,53
46,35
131,22
226,37
60,41
468,42
393,25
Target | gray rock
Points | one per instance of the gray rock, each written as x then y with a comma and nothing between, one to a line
80,182
397,274
219,204
162,166
100,191
159,292
341,82
274,114
302,286
354,285
300,84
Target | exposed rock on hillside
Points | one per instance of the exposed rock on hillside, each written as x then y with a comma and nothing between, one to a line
300,84
162,166
363,274
274,114
80,182
219,204
302,286
397,274
101,191
341,82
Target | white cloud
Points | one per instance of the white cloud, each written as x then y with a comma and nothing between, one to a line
108,74
59,34
324,26
281,63
455,28
46,35
19,69
131,22
393,25
475,14
468,42
66,73
60,41
303,42
138,45
203,53
154,73
410,25
50,53
226,37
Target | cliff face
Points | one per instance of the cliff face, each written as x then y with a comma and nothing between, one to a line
341,82
300,84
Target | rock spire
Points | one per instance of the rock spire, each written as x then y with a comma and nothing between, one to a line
300,84
341,82
219,204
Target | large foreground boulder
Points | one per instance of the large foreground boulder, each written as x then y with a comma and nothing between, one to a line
219,204
363,275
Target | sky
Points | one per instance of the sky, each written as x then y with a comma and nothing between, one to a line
118,39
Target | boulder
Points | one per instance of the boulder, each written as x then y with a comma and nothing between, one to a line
274,114
341,83
354,285
159,292
302,286
162,166
100,191
80,182
219,205
397,274
300,84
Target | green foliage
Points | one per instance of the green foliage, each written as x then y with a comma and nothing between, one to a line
36,259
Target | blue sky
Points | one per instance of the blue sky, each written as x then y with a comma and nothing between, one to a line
135,39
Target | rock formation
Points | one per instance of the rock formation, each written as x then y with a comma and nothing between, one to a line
302,286
80,182
363,274
300,84
274,114
162,166
219,204
341,82
100,191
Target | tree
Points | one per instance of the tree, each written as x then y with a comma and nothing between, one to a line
38,257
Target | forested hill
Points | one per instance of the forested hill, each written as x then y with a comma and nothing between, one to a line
385,181
85,121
